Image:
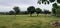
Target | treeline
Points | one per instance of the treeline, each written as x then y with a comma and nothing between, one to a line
13,13
23,12
30,10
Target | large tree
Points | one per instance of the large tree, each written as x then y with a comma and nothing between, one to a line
47,1
31,10
38,10
55,8
16,9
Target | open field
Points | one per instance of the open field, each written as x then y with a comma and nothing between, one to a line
25,21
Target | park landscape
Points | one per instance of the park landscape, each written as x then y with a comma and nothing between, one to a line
25,21
32,18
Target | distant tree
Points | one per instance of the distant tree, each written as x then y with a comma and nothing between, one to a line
47,12
31,10
11,13
16,9
38,10
24,12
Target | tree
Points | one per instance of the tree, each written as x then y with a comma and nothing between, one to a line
38,10
47,1
56,9
53,11
16,9
11,13
55,6
58,12
46,12
31,10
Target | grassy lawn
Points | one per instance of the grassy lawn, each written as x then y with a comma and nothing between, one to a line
25,21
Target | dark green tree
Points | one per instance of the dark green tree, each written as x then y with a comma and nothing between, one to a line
55,5
48,1
53,11
38,10
55,8
11,13
16,9
31,10
47,12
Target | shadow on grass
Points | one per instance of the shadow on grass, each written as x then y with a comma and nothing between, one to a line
2,26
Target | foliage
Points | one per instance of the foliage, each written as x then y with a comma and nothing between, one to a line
24,12
51,0
58,1
16,9
38,10
11,12
47,12
58,10
53,10
48,1
42,1
31,10
55,5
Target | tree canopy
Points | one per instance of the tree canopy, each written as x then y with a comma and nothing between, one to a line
31,10
11,12
16,9
46,12
48,1
38,10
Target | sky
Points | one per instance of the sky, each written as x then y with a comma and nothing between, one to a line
7,5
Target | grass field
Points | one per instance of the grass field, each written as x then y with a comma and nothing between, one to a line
25,21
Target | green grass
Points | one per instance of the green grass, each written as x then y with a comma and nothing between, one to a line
25,21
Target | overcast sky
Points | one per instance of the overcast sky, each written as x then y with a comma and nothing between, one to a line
7,5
